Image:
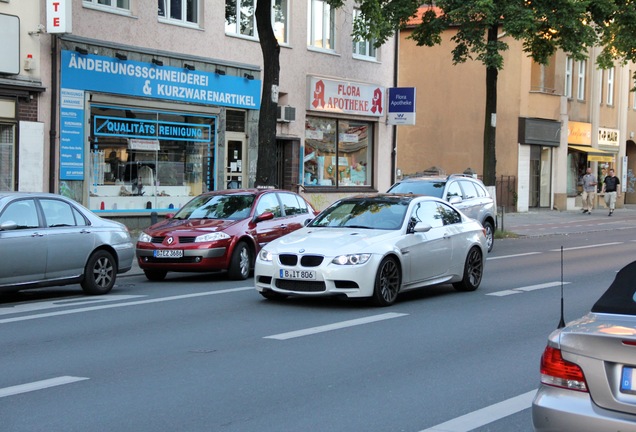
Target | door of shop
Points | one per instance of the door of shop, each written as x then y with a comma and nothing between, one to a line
235,162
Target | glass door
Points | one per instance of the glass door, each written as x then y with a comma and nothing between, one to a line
235,163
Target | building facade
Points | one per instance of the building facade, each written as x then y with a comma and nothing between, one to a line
551,122
152,106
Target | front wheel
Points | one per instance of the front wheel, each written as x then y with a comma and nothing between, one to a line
100,273
387,282
490,235
241,262
473,271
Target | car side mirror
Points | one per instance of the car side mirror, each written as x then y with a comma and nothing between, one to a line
455,199
263,217
8,226
169,215
307,222
422,227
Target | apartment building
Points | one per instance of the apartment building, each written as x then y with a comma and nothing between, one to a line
551,122
146,107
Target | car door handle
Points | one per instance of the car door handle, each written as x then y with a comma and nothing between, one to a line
37,234
283,226
85,231
447,236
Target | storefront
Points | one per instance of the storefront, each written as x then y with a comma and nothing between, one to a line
340,135
140,135
582,155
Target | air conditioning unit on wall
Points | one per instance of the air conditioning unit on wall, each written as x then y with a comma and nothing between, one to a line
285,113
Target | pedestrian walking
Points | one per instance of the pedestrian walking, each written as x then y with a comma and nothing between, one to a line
589,191
611,190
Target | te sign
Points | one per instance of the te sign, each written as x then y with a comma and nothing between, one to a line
58,16
401,103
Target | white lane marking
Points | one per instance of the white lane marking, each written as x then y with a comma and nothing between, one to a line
134,303
39,385
486,415
335,326
512,256
526,289
587,247
30,307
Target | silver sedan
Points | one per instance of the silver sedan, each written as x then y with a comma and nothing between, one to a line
48,240
588,369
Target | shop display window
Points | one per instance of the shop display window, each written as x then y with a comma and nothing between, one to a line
338,153
142,159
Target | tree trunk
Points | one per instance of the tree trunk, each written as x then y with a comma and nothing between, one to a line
266,162
490,128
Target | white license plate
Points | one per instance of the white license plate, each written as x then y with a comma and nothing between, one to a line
298,274
628,380
168,253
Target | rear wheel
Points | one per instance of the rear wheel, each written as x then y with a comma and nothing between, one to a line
387,282
241,262
473,271
490,235
100,273
155,275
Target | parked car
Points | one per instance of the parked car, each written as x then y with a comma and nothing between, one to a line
48,240
588,369
220,230
375,246
465,192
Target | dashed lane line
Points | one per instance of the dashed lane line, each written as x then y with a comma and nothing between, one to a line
526,289
39,385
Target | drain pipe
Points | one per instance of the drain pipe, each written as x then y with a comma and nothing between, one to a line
53,125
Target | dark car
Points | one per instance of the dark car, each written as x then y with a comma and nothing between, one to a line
221,230
588,368
463,191
49,240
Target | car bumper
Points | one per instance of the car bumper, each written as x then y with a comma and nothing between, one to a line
193,260
331,279
125,257
555,409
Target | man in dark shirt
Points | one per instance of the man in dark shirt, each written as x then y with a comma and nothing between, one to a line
611,190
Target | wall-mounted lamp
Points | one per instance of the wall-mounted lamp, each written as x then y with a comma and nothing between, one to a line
121,56
219,71
157,62
82,51
189,66
248,76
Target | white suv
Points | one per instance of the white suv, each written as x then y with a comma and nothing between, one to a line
465,192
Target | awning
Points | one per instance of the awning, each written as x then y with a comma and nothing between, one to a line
594,154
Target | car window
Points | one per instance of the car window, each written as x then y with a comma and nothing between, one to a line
424,187
448,215
232,207
620,297
481,191
453,190
291,204
428,212
58,213
469,189
268,203
364,213
22,212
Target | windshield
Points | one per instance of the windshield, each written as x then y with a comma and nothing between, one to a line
232,207
430,188
620,297
372,213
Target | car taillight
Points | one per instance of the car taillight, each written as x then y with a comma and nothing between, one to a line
561,373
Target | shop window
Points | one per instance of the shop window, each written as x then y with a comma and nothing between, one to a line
7,160
364,49
240,18
185,11
121,5
143,159
338,153
321,25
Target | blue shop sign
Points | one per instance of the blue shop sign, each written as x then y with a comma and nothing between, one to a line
401,103
132,78
150,129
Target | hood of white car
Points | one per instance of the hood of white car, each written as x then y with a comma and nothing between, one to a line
330,241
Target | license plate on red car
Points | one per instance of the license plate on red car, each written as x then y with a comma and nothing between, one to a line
298,274
168,253
628,380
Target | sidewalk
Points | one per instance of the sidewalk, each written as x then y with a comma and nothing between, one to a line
541,222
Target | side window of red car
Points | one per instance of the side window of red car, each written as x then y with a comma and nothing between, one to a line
268,203
291,204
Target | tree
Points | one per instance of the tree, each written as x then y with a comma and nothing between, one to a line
543,26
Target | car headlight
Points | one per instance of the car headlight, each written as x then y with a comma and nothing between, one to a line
265,255
353,259
145,238
215,236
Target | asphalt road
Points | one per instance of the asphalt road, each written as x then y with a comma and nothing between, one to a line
200,353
